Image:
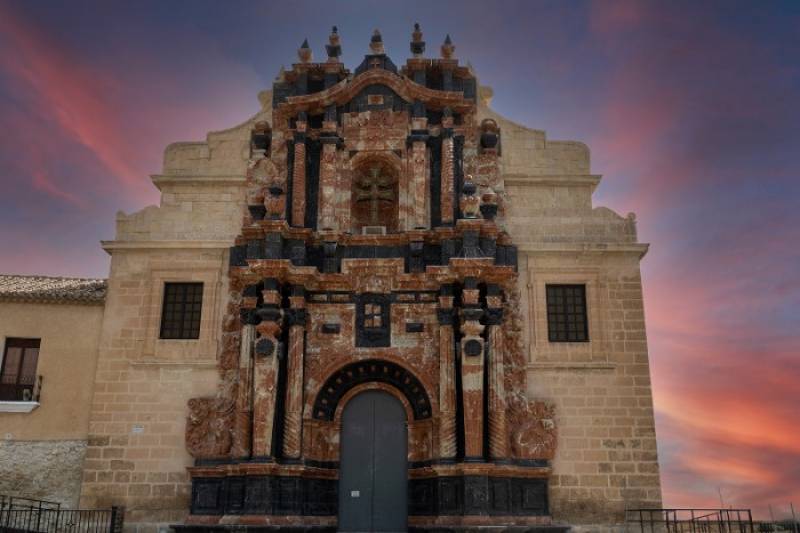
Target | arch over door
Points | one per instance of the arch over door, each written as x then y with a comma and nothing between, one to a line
373,474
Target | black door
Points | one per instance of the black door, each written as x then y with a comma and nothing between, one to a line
373,474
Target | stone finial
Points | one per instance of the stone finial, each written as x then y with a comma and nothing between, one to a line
304,52
417,44
376,43
334,48
448,48
470,202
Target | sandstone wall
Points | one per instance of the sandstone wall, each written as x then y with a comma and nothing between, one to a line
136,453
606,460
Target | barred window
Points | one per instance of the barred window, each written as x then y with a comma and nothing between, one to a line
372,315
566,313
180,314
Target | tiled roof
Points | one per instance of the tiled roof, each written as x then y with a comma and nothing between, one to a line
52,289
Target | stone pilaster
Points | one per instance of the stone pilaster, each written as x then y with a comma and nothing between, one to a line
242,432
299,176
472,361
498,430
293,421
419,174
265,375
447,381
448,171
327,180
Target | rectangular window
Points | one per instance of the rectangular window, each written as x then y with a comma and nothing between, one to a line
180,314
566,313
18,373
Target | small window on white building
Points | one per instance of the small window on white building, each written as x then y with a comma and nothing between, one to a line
18,379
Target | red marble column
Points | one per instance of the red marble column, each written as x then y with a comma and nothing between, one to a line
327,183
498,430
448,171
447,382
244,397
419,185
472,354
293,416
299,176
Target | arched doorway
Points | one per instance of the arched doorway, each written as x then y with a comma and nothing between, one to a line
373,470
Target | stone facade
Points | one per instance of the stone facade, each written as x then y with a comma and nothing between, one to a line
381,229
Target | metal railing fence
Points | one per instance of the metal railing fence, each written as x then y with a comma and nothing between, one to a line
691,520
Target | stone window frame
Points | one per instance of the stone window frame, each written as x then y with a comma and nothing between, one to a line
177,294
204,348
595,349
571,318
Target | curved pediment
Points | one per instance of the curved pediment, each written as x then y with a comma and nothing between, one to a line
347,89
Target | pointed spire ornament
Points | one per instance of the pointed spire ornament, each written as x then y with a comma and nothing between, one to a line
334,48
448,48
304,52
417,44
376,43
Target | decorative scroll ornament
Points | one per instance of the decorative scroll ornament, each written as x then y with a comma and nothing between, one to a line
535,435
208,427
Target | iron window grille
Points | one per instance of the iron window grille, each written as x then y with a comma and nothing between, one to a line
18,379
567,319
181,312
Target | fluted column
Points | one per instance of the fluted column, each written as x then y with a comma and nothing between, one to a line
292,429
265,375
447,381
244,396
472,361
498,431
299,175
448,171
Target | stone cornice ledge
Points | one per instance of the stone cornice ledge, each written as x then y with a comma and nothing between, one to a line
110,246
558,180
193,179
567,367
636,248
18,407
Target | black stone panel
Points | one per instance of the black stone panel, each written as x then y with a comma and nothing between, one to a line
208,496
264,495
234,495
373,336
238,256
477,496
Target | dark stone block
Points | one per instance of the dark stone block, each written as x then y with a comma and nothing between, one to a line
415,327
235,493
273,246
450,492
476,495
238,255
500,495
331,328
257,495
208,496
255,249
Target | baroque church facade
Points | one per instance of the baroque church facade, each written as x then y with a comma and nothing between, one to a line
376,305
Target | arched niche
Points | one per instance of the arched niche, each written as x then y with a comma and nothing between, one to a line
374,199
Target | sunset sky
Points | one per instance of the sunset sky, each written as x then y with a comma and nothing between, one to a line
691,110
